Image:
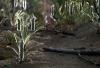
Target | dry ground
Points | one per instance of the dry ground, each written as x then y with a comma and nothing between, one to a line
85,37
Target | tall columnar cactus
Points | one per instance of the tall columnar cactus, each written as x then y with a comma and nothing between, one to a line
23,22
66,12
21,4
96,4
77,11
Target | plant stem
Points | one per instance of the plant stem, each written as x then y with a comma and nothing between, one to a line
21,52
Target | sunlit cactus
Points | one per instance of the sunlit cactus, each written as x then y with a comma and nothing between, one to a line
20,3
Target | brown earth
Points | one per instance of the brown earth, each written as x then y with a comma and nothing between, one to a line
85,37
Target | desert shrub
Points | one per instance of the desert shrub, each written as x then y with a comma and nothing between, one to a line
73,12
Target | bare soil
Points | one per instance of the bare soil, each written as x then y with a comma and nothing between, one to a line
85,37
